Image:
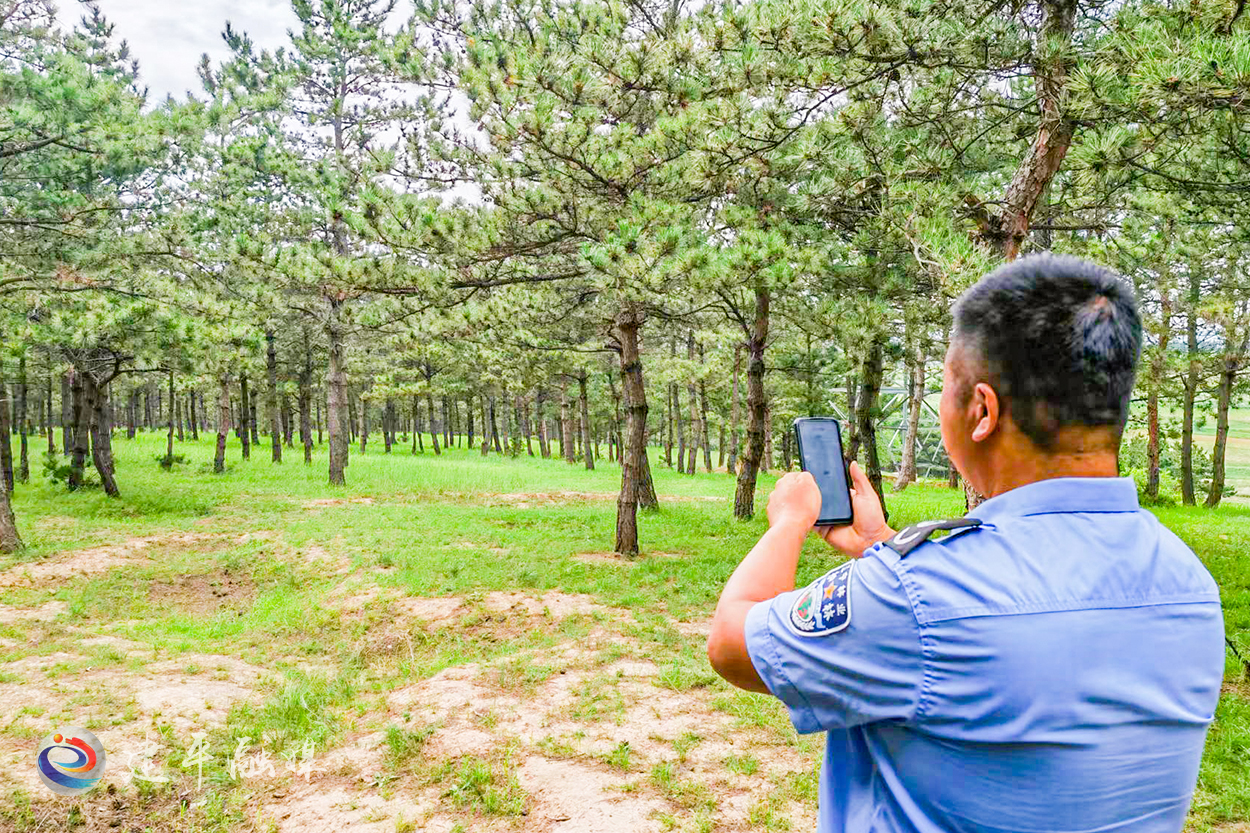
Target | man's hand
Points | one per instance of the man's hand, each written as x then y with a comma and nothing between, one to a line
868,526
795,500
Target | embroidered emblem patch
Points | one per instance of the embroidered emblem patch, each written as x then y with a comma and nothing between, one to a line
824,606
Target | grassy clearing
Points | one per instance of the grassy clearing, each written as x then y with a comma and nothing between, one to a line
430,631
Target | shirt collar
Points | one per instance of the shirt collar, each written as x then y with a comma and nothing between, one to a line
1062,494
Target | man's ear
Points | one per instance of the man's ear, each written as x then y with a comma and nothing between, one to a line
985,404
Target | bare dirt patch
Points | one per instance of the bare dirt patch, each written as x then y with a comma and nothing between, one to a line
46,612
569,796
312,808
94,560
207,593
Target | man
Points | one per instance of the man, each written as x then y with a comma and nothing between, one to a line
1050,665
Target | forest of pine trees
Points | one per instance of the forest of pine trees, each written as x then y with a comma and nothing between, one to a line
585,228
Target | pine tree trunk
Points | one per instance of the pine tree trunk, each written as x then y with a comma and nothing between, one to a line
223,423
51,436
102,435
468,410
707,442
744,496
6,435
305,398
568,446
734,408
869,413
245,414
696,434
23,423
271,399
336,400
587,452
179,419
169,439
388,424
364,423
907,468
540,420
1234,356
1154,446
853,397
1005,230
633,461
767,462
10,540
526,425
67,413
81,430
418,442
486,422
429,401
1192,379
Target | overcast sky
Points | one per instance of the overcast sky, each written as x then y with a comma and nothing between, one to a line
168,36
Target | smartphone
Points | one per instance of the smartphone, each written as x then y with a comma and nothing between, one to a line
820,452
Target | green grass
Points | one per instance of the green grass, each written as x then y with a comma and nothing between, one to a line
437,526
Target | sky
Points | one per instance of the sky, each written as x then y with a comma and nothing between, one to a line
168,36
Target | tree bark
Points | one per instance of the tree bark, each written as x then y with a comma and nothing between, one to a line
1234,356
429,401
223,423
568,445
633,461
1192,379
388,424
494,428
102,434
271,399
587,451
169,440
336,400
81,428
23,423
67,412
523,403
245,414
869,412
195,428
707,442
48,426
732,464
744,496
10,540
696,428
907,467
468,411
1005,229
544,444
6,435
1154,381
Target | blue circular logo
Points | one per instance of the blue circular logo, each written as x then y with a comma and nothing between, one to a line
70,761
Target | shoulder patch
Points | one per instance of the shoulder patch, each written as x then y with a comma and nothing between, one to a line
824,607
916,534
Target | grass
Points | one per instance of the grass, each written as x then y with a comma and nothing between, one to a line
450,526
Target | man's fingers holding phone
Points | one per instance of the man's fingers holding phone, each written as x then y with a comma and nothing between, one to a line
868,526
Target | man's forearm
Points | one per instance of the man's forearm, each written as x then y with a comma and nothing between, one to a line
769,567
767,570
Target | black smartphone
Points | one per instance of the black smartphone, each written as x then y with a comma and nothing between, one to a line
820,452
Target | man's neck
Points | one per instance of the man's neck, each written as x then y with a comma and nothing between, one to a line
1020,463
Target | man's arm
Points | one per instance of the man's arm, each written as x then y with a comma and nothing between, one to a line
770,566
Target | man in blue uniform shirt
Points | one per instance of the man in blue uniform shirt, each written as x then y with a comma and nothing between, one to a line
1051,664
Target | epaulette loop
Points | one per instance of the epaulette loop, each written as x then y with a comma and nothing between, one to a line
913,536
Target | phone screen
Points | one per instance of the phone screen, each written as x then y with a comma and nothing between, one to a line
820,452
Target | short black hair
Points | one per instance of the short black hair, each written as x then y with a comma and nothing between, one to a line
1058,338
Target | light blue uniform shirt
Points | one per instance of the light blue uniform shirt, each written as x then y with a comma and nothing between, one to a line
1052,670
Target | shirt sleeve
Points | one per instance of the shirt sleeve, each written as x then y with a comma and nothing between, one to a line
868,667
